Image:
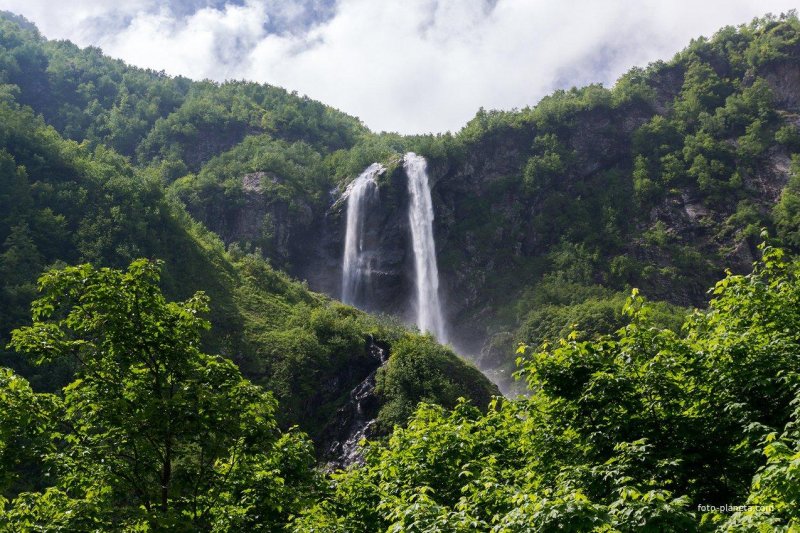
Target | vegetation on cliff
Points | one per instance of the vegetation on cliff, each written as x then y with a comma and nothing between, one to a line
643,429
64,202
645,415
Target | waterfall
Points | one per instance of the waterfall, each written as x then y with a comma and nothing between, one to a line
420,216
357,261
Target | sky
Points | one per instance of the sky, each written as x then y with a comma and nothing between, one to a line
411,66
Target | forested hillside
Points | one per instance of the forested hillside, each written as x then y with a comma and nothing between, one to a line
167,219
65,203
660,182
639,430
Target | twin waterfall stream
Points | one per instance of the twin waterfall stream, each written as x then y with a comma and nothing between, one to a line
420,217
358,258
356,263
358,269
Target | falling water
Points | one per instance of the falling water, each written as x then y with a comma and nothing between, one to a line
357,259
420,216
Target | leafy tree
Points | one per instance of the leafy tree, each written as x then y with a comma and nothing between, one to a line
632,431
27,423
774,496
548,164
158,434
703,91
422,370
787,210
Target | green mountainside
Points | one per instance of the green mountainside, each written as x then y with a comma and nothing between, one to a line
64,202
660,183
546,218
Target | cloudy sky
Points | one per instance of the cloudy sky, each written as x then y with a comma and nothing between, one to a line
411,66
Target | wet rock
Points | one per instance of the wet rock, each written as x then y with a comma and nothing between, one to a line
355,420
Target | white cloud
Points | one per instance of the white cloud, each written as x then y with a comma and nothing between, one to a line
210,43
412,66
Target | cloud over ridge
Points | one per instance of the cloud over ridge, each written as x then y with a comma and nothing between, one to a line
414,66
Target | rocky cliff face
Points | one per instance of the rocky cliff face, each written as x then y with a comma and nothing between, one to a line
487,187
356,419
783,78
281,229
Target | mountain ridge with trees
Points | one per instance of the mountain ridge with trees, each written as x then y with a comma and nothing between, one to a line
636,414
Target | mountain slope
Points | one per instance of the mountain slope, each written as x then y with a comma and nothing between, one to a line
545,219
656,183
64,202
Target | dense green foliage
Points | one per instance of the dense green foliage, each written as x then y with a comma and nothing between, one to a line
421,369
579,312
643,416
152,433
644,429
659,182
86,95
64,202
296,341
26,423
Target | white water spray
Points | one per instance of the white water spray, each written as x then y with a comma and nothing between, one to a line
420,216
357,259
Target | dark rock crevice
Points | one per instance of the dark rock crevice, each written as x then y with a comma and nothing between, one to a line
356,419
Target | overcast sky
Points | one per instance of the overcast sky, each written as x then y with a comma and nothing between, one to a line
411,66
